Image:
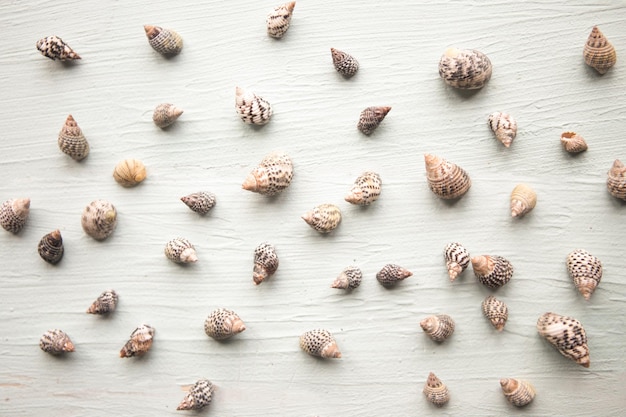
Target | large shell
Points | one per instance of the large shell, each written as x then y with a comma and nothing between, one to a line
323,218
371,117
517,392
139,342
573,142
391,274
349,279
164,41
436,391
272,176
457,259
598,51
199,396
129,172
181,251
523,200
99,219
465,68
616,181
504,126
567,335
366,189
104,304
71,140
344,63
54,48
446,179
223,323
14,213
50,247
321,343
56,342
253,109
265,262
492,271
586,271
201,202
439,327
496,311
166,114
279,18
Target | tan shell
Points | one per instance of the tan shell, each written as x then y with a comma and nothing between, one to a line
436,391
567,335
14,213
223,323
585,270
438,327
181,251
366,189
265,262
56,342
468,69
457,259
253,109
50,247
344,63
391,274
616,181
349,279
496,311
104,304
279,18
54,48
371,117
573,142
139,343
517,392
99,219
166,114
199,396
164,41
446,179
492,271
321,343
201,202
129,172
504,126
272,176
71,140
599,53
523,200
323,218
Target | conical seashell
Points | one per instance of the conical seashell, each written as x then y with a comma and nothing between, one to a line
253,109
164,41
344,63
129,172
457,259
201,202
56,342
567,335
366,189
99,219
323,218
181,251
320,342
436,391
371,117
616,181
50,247
586,271
504,126
573,142
199,396
272,176
598,51
265,262
54,48
523,200
467,69
139,342
13,214
223,323
105,303
279,18
439,327
391,274
72,141
165,114
492,271
349,279
518,392
496,311
446,179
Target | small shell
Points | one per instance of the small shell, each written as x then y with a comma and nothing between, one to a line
598,51
616,181
71,140
278,19
567,335
366,189
371,117
391,274
446,179
504,126
523,200
54,48
467,69
50,247
586,271
344,63
573,142
320,342
201,202
181,251
222,324
199,396
492,271
518,392
323,218
496,311
166,114
272,176
439,327
164,41
457,259
129,172
265,262
253,109
139,342
99,219
105,303
14,213
56,342
349,279
436,391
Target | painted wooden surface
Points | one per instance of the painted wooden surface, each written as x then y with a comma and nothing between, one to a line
539,77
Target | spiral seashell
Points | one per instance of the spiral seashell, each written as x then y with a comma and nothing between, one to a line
457,259
71,140
344,63
573,142
616,181
166,114
504,126
104,304
265,262
14,213
321,343
371,117
99,219
129,172
436,391
586,271
253,109
492,271
54,48
279,18
56,342
391,274
201,202
366,189
523,200
181,251
438,327
517,392
164,41
272,176
323,218
199,396
466,69
599,53
496,311
446,179
223,323
349,279
567,335
50,247
139,343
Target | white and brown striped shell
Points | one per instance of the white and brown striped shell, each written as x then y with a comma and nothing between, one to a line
50,247
344,63
496,311
391,274
279,18
104,304
129,172
585,270
71,140
503,126
272,176
457,259
201,202
567,335
446,179
165,114
599,53
164,41
349,279
465,68
99,219
371,117
199,396
181,251
14,213
223,323
492,271
366,189
265,262
436,391
56,342
523,200
438,327
320,342
54,48
572,142
518,392
253,109
139,343
323,218
616,180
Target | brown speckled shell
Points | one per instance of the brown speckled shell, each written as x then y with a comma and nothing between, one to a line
139,343
181,251
457,259
467,69
585,270
517,392
166,114
599,53
14,213
164,41
54,48
199,396
616,180
201,202
265,262
438,327
129,172
567,335
272,176
99,219
321,343
104,304
436,391
573,143
371,117
492,271
223,323
391,274
279,18
366,189
323,218
344,63
252,109
523,200
503,126
56,342
71,140
496,311
349,279
446,179
50,247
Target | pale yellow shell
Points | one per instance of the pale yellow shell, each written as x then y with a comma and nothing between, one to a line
446,179
99,219
467,69
279,19
503,126
166,114
573,142
616,181
517,392
71,140
523,200
323,218
50,247
436,391
164,41
14,213
599,53
366,189
272,176
129,172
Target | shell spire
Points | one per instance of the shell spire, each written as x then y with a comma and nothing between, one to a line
616,180
199,396
222,324
504,126
99,219
279,19
344,63
14,213
517,392
366,189
391,274
166,114
252,109
349,279
523,200
323,218
573,143
201,202
139,343
71,140
164,41
585,270
272,176
438,327
492,271
265,262
50,247
371,117
465,68
599,53
446,179
56,342
496,311
321,343
567,335
457,259
54,48
104,304
436,391
181,251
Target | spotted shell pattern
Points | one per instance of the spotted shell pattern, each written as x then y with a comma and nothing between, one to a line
165,114
438,327
253,109
14,213
164,41
279,19
56,342
319,342
567,335
598,52
99,219
50,247
265,262
201,202
223,323
457,259
436,391
371,117
71,140
349,279
518,392
272,176
104,304
324,218
467,69
616,181
366,189
523,200
139,343
391,274
129,172
585,270
493,271
54,48
344,63
446,179
573,142
504,126
199,396
181,251
496,311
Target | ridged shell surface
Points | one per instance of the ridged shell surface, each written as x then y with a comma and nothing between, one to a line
517,392
279,18
50,247
446,179
164,41
567,335
166,114
492,271
199,396
573,143
436,391
503,126
14,213
265,262
253,109
104,304
585,270
438,327
599,53
139,343
99,219
56,342
54,48
344,63
71,140
616,181
129,172
223,323
465,68
272,176
181,251
391,274
319,342
323,218
366,189
371,117
349,279
457,259
496,311
201,202
523,200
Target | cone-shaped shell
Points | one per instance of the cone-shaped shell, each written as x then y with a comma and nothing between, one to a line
586,271
436,391
223,323
573,143
201,202
279,18
616,181
129,172
199,396
344,63
54,48
166,114
504,126
71,140
56,342
253,109
439,327
181,251
272,176
366,189
349,279
265,262
321,343
139,343
371,117
492,271
446,179
567,335
467,69
517,392
457,259
391,274
14,213
104,304
523,200
164,41
323,218
99,219
50,247
496,311
598,51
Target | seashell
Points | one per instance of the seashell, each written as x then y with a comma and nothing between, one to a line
181,251
523,200
265,262
166,114
567,335
496,311
222,324
253,109
439,327
56,342
465,68
105,303
504,126
391,274
319,342
323,218
279,18
129,172
457,259
371,117
201,202
492,271
71,140
50,247
573,142
199,396
436,391
518,392
616,181
349,279
598,51
164,41
13,214
344,63
99,219
586,271
446,179
272,176
366,189
139,342
54,48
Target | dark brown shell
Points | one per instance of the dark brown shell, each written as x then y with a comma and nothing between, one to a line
50,247
344,63
492,271
391,274
371,117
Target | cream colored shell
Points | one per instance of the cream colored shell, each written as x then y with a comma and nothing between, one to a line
99,219
573,142
523,200
446,179
616,180
323,218
279,19
517,392
164,41
436,391
166,114
129,172
466,69
567,335
598,52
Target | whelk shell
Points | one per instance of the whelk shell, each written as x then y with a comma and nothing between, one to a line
391,274
523,200
104,304
139,343
56,342
573,142
50,247
223,323
457,259
14,213
320,342
99,219
279,18
201,202
496,311
323,218
492,271
71,140
366,189
265,262
616,181
567,335
181,251
164,41
349,279
599,53
54,48
468,69
253,109
272,176
371,117
517,392
439,327
166,114
129,172
199,396
504,126
586,271
344,63
446,179
436,391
